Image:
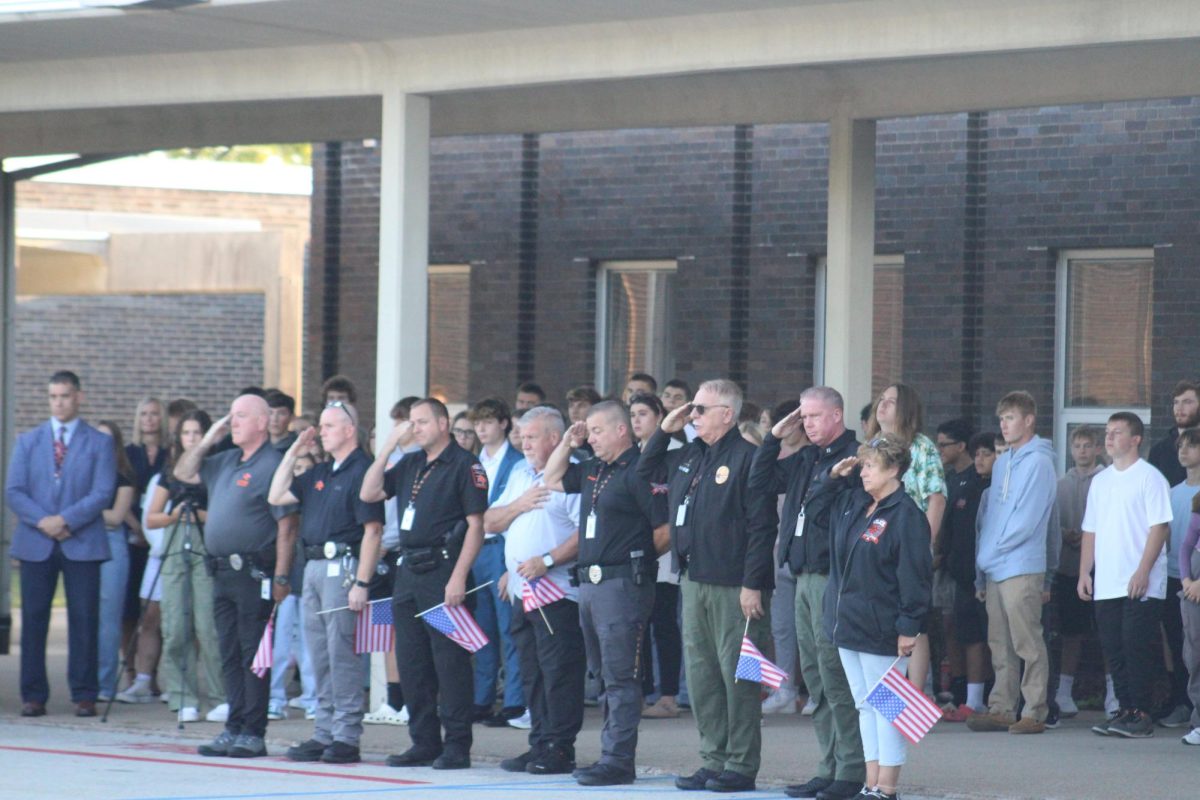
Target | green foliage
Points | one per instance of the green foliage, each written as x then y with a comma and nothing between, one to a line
296,154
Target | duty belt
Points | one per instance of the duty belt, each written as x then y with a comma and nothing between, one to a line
598,573
316,552
239,561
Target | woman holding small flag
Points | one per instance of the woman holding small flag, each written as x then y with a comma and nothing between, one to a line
878,594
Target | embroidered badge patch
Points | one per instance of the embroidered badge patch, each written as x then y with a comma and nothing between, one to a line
479,477
319,485
244,480
874,531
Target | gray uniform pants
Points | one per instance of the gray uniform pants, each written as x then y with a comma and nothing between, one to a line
336,667
783,624
613,616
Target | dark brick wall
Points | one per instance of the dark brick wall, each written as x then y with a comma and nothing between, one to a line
979,205
124,347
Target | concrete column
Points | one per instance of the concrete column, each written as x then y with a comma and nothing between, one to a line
400,362
850,267
8,284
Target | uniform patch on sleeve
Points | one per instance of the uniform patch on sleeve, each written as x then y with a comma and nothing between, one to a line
658,488
479,477
874,531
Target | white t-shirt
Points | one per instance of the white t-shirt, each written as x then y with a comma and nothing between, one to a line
536,533
1122,506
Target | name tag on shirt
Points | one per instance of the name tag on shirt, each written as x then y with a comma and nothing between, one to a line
800,523
590,528
406,520
333,569
266,589
681,514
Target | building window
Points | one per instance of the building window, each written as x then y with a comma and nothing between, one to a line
635,313
887,323
1103,338
449,329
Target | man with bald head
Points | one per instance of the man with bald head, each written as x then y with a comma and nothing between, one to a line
249,545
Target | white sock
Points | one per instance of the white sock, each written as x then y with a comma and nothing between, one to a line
975,696
1066,683
142,678
1109,695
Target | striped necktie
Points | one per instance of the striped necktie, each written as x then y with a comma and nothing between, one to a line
60,450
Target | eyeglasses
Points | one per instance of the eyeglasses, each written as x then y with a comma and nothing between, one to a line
463,432
944,445
702,410
345,407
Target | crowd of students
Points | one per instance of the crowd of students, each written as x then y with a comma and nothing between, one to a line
1022,566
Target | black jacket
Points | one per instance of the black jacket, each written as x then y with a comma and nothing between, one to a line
881,574
726,538
798,475
956,543
1164,455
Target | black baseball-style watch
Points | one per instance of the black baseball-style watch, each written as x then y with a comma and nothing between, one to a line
282,580
362,584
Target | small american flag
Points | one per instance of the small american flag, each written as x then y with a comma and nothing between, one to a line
265,656
903,705
753,666
458,625
540,592
374,632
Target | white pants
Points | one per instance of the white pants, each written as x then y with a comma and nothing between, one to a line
880,740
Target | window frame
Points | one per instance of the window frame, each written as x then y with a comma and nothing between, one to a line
820,284
1065,416
603,270
435,271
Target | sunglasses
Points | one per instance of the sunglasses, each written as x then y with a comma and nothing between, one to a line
345,410
702,410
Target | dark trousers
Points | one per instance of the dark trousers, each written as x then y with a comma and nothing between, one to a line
81,579
435,673
552,672
241,616
1172,621
1128,632
663,633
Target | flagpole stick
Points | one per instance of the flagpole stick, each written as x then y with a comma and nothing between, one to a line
875,685
548,627
745,633
343,608
439,605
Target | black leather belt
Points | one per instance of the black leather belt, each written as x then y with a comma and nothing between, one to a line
316,552
497,539
599,573
238,562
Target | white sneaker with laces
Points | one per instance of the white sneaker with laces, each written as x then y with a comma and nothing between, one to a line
1192,737
781,701
1066,705
189,714
218,714
810,707
523,722
138,692
386,715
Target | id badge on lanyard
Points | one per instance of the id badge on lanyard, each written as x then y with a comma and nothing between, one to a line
590,528
800,523
681,513
406,519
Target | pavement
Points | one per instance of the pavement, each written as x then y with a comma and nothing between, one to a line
141,752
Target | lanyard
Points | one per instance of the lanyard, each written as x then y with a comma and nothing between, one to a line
600,484
419,483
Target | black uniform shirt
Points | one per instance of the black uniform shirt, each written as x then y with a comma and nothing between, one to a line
628,509
443,493
329,501
956,542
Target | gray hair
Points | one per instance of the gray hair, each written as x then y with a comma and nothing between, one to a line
614,411
550,418
826,394
728,392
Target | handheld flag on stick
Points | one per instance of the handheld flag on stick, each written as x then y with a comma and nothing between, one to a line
373,632
903,705
264,657
753,666
540,592
458,625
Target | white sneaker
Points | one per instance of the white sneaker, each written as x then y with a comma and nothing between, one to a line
164,697
386,715
523,722
296,702
138,692
218,714
1192,737
310,713
276,712
781,701
1066,705
810,707
189,714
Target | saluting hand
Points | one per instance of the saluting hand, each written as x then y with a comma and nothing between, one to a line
303,442
785,426
218,430
577,434
844,467
399,432
674,422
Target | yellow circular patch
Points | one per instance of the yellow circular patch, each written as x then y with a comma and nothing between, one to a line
722,474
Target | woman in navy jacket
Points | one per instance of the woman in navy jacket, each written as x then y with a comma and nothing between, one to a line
879,589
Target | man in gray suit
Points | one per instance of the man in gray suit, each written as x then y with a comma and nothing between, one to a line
62,476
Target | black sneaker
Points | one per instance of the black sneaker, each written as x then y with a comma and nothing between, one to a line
218,746
840,790
1051,721
554,761
480,713
341,753
500,718
517,763
312,750
730,781
413,757
1104,728
1134,725
451,759
809,789
603,775
696,781
248,746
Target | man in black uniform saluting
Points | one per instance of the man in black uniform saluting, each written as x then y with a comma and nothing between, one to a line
721,538
442,494
622,529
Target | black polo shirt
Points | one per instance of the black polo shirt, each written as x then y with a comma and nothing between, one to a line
628,509
442,492
329,501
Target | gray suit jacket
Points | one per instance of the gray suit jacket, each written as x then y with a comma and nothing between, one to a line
80,494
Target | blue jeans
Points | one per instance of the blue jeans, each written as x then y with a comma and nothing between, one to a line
291,642
494,616
114,576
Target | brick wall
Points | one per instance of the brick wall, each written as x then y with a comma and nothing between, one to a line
204,347
979,206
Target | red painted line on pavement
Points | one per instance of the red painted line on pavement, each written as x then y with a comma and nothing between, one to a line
218,764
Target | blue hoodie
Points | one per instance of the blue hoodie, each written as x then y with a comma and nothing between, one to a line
1012,537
